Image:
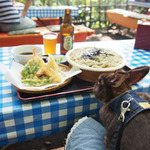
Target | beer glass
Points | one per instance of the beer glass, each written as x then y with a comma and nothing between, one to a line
50,40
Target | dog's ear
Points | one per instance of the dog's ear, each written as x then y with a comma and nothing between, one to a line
137,74
119,78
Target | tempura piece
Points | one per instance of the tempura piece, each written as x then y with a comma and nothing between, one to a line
38,73
38,59
52,64
30,69
45,70
35,81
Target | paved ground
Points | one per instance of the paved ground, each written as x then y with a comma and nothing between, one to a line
57,142
113,34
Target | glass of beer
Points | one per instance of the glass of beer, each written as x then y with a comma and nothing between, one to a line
50,40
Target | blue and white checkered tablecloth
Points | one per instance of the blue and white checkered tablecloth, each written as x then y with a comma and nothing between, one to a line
145,4
49,11
21,121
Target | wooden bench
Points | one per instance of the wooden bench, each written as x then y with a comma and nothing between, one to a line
80,34
125,18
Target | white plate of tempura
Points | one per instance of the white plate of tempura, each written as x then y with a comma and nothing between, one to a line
38,76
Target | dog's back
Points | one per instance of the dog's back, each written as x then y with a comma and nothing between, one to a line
136,134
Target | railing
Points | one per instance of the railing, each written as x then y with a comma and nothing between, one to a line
91,12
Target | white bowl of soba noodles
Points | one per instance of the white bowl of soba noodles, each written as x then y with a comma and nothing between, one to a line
94,61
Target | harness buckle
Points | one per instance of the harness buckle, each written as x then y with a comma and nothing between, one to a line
124,108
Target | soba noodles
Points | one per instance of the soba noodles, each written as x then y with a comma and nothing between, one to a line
96,57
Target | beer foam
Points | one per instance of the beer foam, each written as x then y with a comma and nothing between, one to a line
48,36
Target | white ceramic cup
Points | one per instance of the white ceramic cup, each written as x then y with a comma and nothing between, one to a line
21,53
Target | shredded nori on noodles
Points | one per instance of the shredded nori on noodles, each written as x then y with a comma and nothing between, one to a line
90,53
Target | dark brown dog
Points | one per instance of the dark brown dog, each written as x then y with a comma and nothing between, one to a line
136,134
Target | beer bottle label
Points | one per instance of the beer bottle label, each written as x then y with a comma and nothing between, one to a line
68,43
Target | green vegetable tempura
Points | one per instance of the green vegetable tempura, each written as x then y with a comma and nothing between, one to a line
38,73
30,69
37,81
29,77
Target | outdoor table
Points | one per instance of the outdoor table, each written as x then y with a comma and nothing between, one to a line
49,11
21,120
139,3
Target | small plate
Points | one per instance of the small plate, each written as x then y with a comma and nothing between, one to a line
52,88
60,59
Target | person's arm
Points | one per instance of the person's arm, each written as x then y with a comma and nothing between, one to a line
26,7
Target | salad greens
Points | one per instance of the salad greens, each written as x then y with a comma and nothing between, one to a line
59,59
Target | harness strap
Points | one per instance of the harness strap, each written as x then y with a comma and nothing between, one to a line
115,142
128,103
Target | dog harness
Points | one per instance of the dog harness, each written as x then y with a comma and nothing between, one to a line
126,106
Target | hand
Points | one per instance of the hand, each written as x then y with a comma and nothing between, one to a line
23,13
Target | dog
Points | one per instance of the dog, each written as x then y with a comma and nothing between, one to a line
136,133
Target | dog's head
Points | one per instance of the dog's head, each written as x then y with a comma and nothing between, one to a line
111,85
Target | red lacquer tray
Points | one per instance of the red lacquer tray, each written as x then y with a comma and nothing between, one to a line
75,86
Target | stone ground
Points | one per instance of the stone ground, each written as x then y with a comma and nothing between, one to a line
57,142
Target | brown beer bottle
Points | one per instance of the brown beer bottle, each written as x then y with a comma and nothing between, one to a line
66,33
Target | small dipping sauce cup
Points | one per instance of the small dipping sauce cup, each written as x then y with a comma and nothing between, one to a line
22,54
50,40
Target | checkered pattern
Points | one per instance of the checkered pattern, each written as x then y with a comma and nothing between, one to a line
49,11
139,3
20,121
